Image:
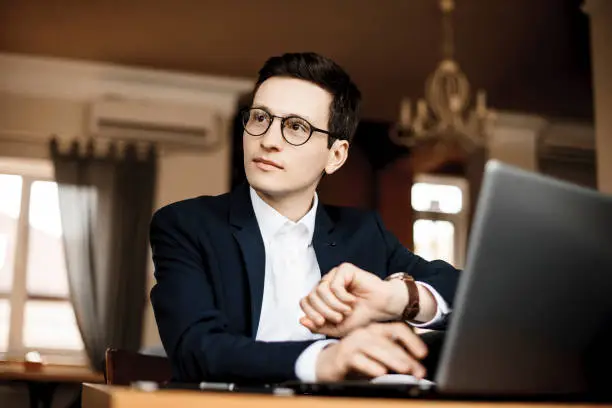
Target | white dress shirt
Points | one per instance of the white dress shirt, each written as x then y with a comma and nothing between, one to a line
292,271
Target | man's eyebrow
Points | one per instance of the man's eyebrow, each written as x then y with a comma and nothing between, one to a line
264,107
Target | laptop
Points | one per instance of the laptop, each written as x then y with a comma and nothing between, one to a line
533,311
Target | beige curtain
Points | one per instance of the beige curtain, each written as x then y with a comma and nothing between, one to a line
106,205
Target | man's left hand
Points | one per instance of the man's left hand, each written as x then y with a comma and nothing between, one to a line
348,298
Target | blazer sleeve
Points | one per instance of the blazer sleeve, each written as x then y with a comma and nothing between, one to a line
193,330
442,276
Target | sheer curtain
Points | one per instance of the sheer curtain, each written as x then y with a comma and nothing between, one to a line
106,204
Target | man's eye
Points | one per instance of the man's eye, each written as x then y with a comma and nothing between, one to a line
298,126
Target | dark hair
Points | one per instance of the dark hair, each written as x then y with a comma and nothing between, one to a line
321,71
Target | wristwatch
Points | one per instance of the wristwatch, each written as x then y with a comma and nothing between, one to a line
412,308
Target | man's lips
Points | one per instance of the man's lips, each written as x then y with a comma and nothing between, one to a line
268,162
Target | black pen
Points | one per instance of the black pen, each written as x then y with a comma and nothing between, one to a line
231,387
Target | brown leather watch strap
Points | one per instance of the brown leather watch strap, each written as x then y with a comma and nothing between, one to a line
413,307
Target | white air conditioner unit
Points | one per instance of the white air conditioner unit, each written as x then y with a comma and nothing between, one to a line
161,123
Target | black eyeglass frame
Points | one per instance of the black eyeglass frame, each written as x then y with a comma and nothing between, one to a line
246,114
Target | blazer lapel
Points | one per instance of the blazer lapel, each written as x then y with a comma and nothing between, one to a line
247,234
329,251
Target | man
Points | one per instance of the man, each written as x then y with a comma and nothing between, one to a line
239,295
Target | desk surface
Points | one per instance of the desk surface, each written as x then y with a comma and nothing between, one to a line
105,396
13,371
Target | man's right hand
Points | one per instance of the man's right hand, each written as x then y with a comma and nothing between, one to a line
373,351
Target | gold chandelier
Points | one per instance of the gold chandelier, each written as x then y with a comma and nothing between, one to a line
445,114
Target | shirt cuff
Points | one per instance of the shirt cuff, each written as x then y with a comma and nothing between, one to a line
441,311
306,363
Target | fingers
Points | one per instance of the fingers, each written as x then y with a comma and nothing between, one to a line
335,297
341,281
318,310
311,313
382,343
373,351
391,355
322,305
329,275
327,329
400,332
366,365
329,298
309,324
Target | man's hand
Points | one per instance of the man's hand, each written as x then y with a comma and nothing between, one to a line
348,298
373,351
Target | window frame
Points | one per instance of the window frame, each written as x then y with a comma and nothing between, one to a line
459,220
30,171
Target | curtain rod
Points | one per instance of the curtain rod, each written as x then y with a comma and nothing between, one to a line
27,136
30,137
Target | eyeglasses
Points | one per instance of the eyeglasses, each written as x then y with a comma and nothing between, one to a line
295,130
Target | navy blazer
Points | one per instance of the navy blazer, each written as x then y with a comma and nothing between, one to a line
210,264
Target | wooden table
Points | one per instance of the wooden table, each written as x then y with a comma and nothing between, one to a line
42,382
49,373
106,396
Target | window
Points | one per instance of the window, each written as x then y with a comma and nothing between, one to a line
440,226
35,310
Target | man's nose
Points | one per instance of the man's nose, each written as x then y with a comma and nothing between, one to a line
273,138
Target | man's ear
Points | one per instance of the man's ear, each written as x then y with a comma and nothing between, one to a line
338,154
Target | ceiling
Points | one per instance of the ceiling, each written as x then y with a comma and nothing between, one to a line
530,55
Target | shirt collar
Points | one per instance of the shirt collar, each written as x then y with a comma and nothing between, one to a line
271,221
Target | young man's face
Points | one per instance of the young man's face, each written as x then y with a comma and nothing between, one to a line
272,165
